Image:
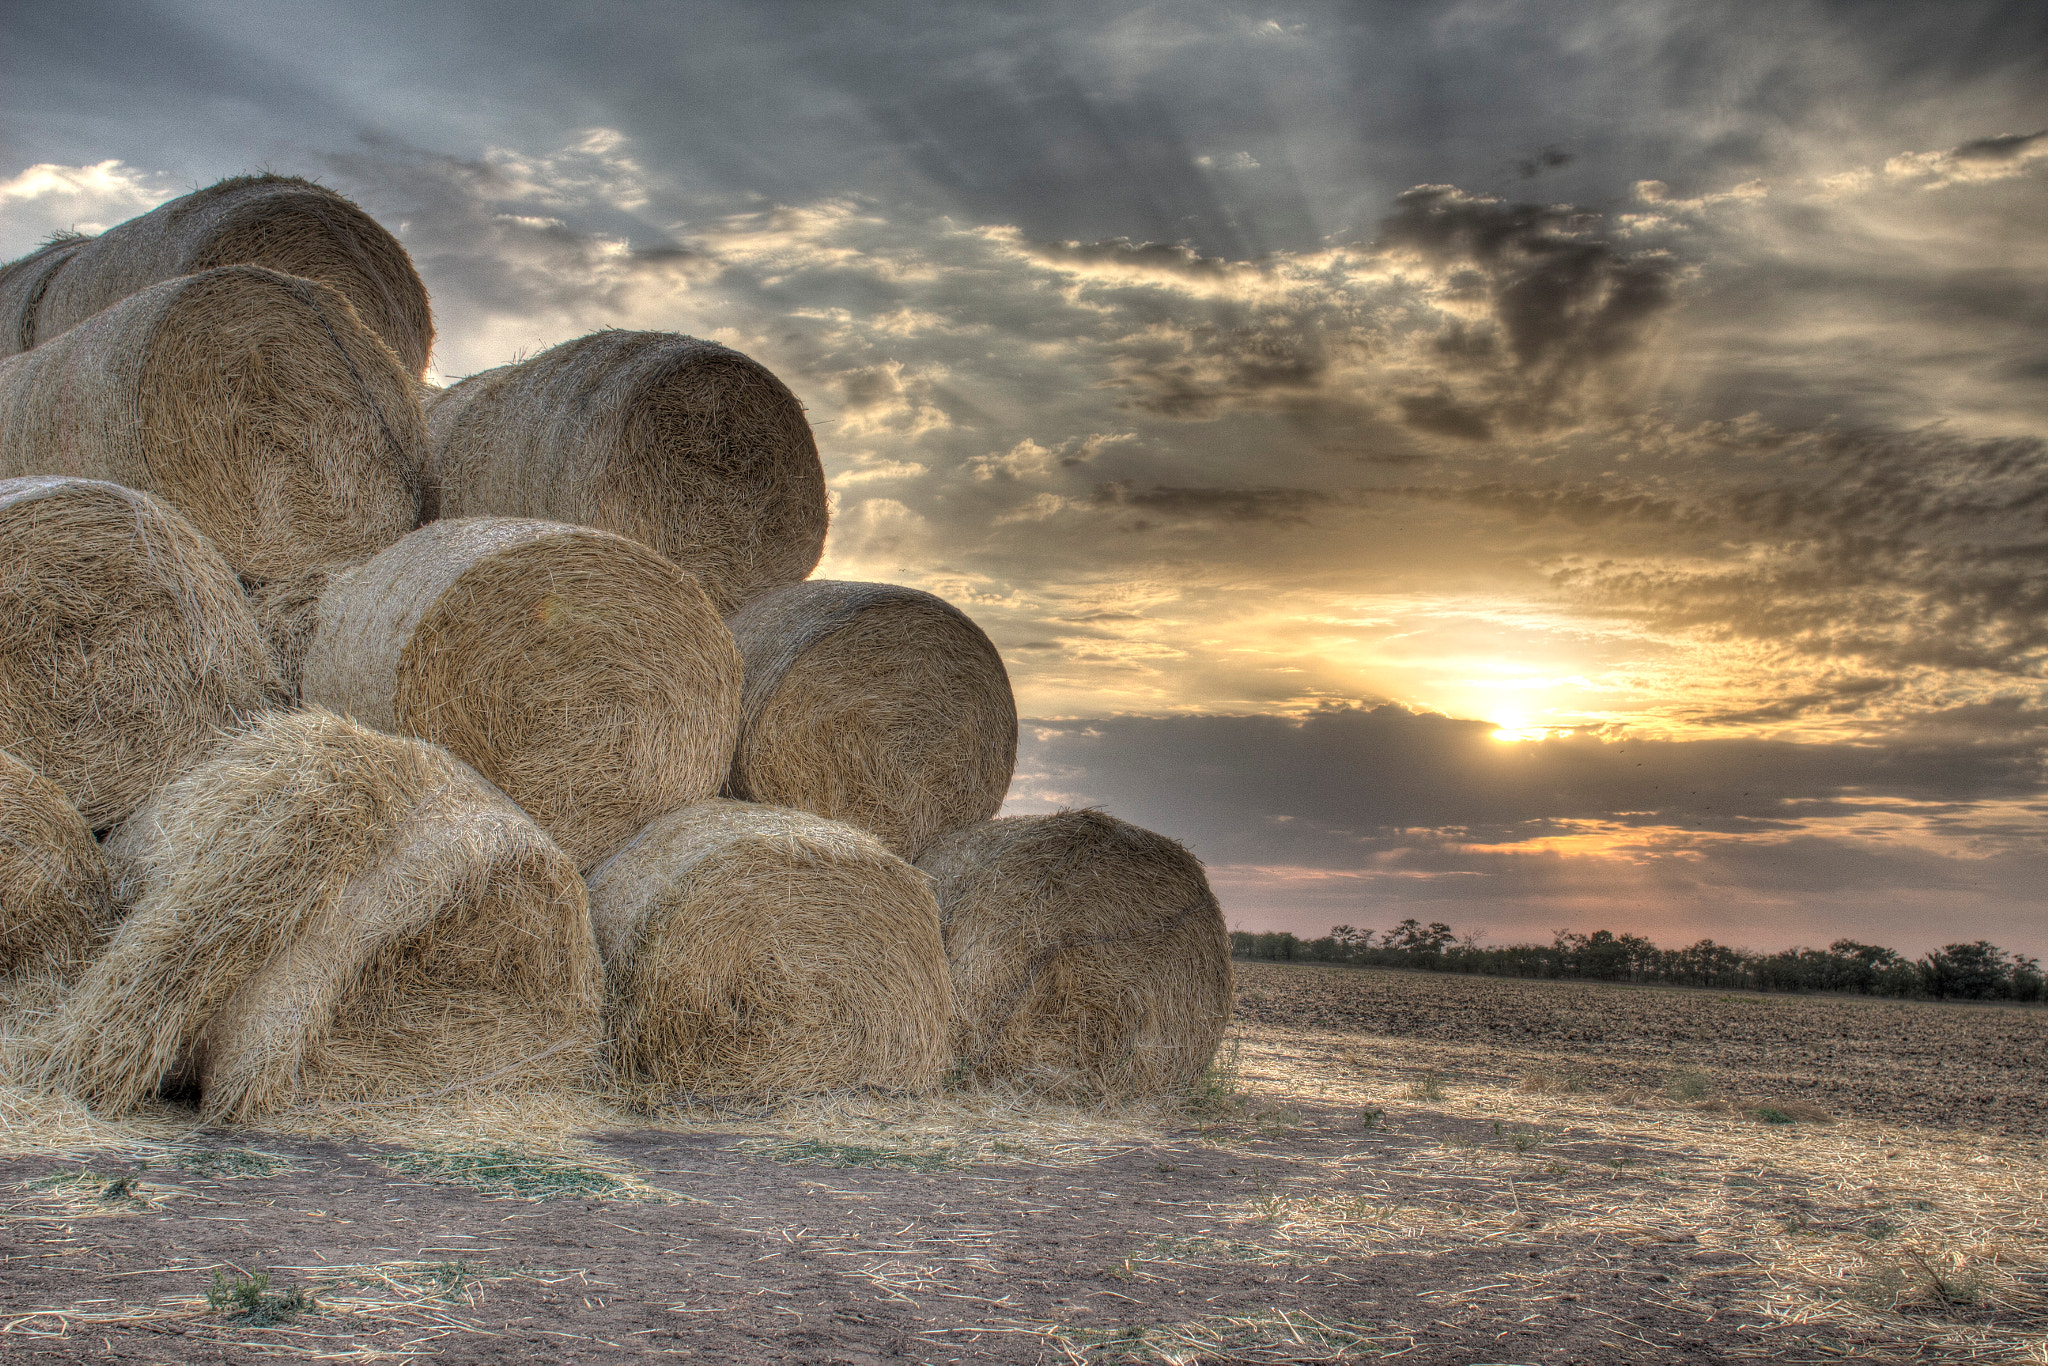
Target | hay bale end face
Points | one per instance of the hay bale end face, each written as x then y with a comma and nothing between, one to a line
254,403
873,704
581,672
326,913
55,898
761,951
1089,956
283,222
125,642
686,445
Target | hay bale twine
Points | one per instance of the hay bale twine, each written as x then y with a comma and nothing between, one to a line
125,641
323,912
684,444
873,704
1089,957
252,402
581,672
762,951
283,222
55,897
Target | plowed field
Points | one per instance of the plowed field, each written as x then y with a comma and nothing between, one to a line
1917,1062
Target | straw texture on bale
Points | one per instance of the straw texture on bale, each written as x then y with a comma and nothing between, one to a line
872,704
1089,957
684,444
282,222
55,899
252,402
125,641
581,672
762,951
325,913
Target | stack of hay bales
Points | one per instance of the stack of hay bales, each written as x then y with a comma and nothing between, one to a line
351,765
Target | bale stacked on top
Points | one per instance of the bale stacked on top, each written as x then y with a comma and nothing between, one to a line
125,641
254,403
581,672
324,912
764,951
872,704
55,900
283,222
684,444
1089,957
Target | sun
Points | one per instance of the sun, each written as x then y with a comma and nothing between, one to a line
1515,727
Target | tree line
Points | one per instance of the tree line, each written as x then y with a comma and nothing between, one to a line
1979,971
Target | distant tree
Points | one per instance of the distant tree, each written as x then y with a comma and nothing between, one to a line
1410,937
1970,972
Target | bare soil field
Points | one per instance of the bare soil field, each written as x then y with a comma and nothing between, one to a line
1342,1191
1919,1062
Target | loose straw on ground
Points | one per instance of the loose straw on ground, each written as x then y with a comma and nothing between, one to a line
327,913
581,672
254,403
684,444
874,704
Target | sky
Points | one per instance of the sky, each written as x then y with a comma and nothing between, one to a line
1526,465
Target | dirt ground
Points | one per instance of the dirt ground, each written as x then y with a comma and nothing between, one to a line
1337,1194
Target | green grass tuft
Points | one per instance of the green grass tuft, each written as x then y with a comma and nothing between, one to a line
248,1300
500,1171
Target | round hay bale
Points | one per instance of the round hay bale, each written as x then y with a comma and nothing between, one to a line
252,402
326,913
283,222
1089,956
873,704
761,951
581,672
125,641
55,897
684,444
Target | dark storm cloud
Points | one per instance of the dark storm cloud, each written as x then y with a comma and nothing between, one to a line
1562,297
1237,133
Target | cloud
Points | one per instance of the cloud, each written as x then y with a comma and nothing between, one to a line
1973,162
48,198
1368,814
